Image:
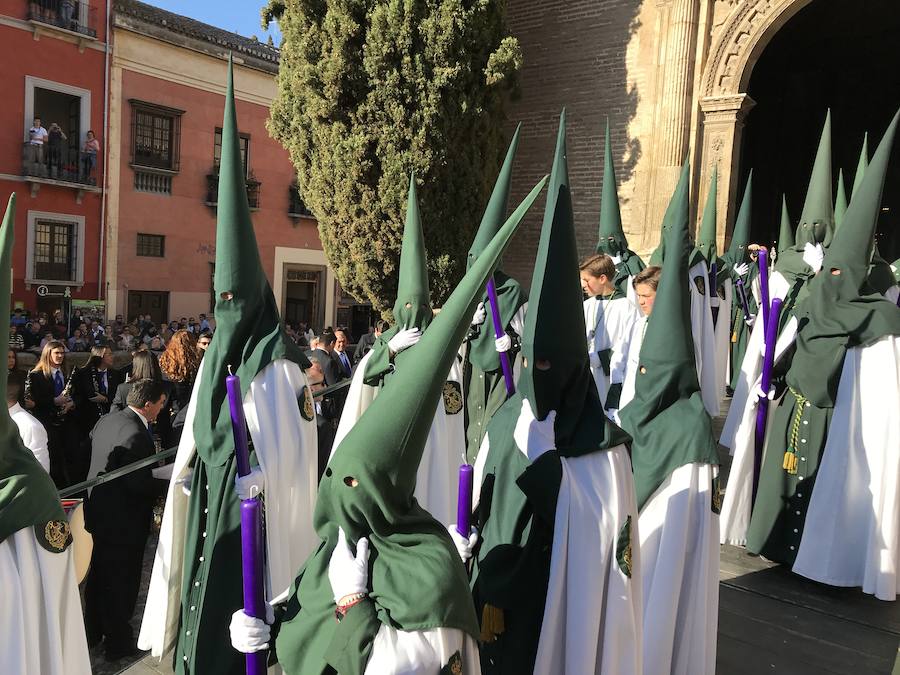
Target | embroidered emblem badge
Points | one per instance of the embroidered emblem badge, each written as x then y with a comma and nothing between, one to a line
453,402
623,548
56,534
307,407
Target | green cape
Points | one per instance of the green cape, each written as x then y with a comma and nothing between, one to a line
249,334
666,418
510,295
554,329
611,238
842,311
412,308
28,497
417,580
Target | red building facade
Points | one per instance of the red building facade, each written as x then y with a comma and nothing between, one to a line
54,59
167,85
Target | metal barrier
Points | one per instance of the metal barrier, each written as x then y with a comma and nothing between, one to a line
73,490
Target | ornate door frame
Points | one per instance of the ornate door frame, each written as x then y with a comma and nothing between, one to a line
723,99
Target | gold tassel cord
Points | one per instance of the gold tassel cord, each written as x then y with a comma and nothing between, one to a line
790,456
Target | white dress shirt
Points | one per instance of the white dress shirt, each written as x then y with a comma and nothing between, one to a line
33,434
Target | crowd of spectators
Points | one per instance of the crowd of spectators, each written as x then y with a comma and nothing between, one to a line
82,331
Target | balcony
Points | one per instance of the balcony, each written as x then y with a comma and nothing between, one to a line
66,167
70,16
212,191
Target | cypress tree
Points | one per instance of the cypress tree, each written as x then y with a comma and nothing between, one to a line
372,90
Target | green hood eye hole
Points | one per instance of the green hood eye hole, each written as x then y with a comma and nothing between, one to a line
542,364
226,295
350,481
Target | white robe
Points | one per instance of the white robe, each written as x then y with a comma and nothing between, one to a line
285,447
397,652
712,388
680,572
609,324
631,365
722,332
41,624
592,616
852,531
892,294
736,507
438,475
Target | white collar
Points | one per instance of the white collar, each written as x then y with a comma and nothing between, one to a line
17,408
140,416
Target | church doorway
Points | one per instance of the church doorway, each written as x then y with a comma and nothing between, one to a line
832,53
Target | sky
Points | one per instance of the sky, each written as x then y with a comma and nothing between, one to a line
237,16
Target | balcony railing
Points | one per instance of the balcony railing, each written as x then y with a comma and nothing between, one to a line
63,164
72,15
212,191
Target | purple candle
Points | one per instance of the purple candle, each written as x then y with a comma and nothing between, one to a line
763,261
238,423
762,409
252,564
498,333
251,524
464,500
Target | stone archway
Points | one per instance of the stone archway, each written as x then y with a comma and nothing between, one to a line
736,46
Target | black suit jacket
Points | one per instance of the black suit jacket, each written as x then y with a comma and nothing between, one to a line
363,347
123,507
40,389
163,425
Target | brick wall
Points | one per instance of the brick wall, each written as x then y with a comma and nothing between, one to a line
575,55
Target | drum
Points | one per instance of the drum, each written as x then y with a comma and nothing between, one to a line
82,541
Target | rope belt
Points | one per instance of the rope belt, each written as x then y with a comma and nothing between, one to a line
790,456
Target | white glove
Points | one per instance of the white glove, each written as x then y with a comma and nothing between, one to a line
480,315
250,485
750,321
185,483
249,634
348,574
760,394
616,259
503,344
595,359
464,546
813,255
532,436
742,269
404,339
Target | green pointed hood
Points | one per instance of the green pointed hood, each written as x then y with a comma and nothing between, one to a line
249,335
412,308
786,233
416,577
666,418
881,276
840,202
555,369
861,165
611,238
841,310
706,240
817,220
28,497
510,294
740,237
495,212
